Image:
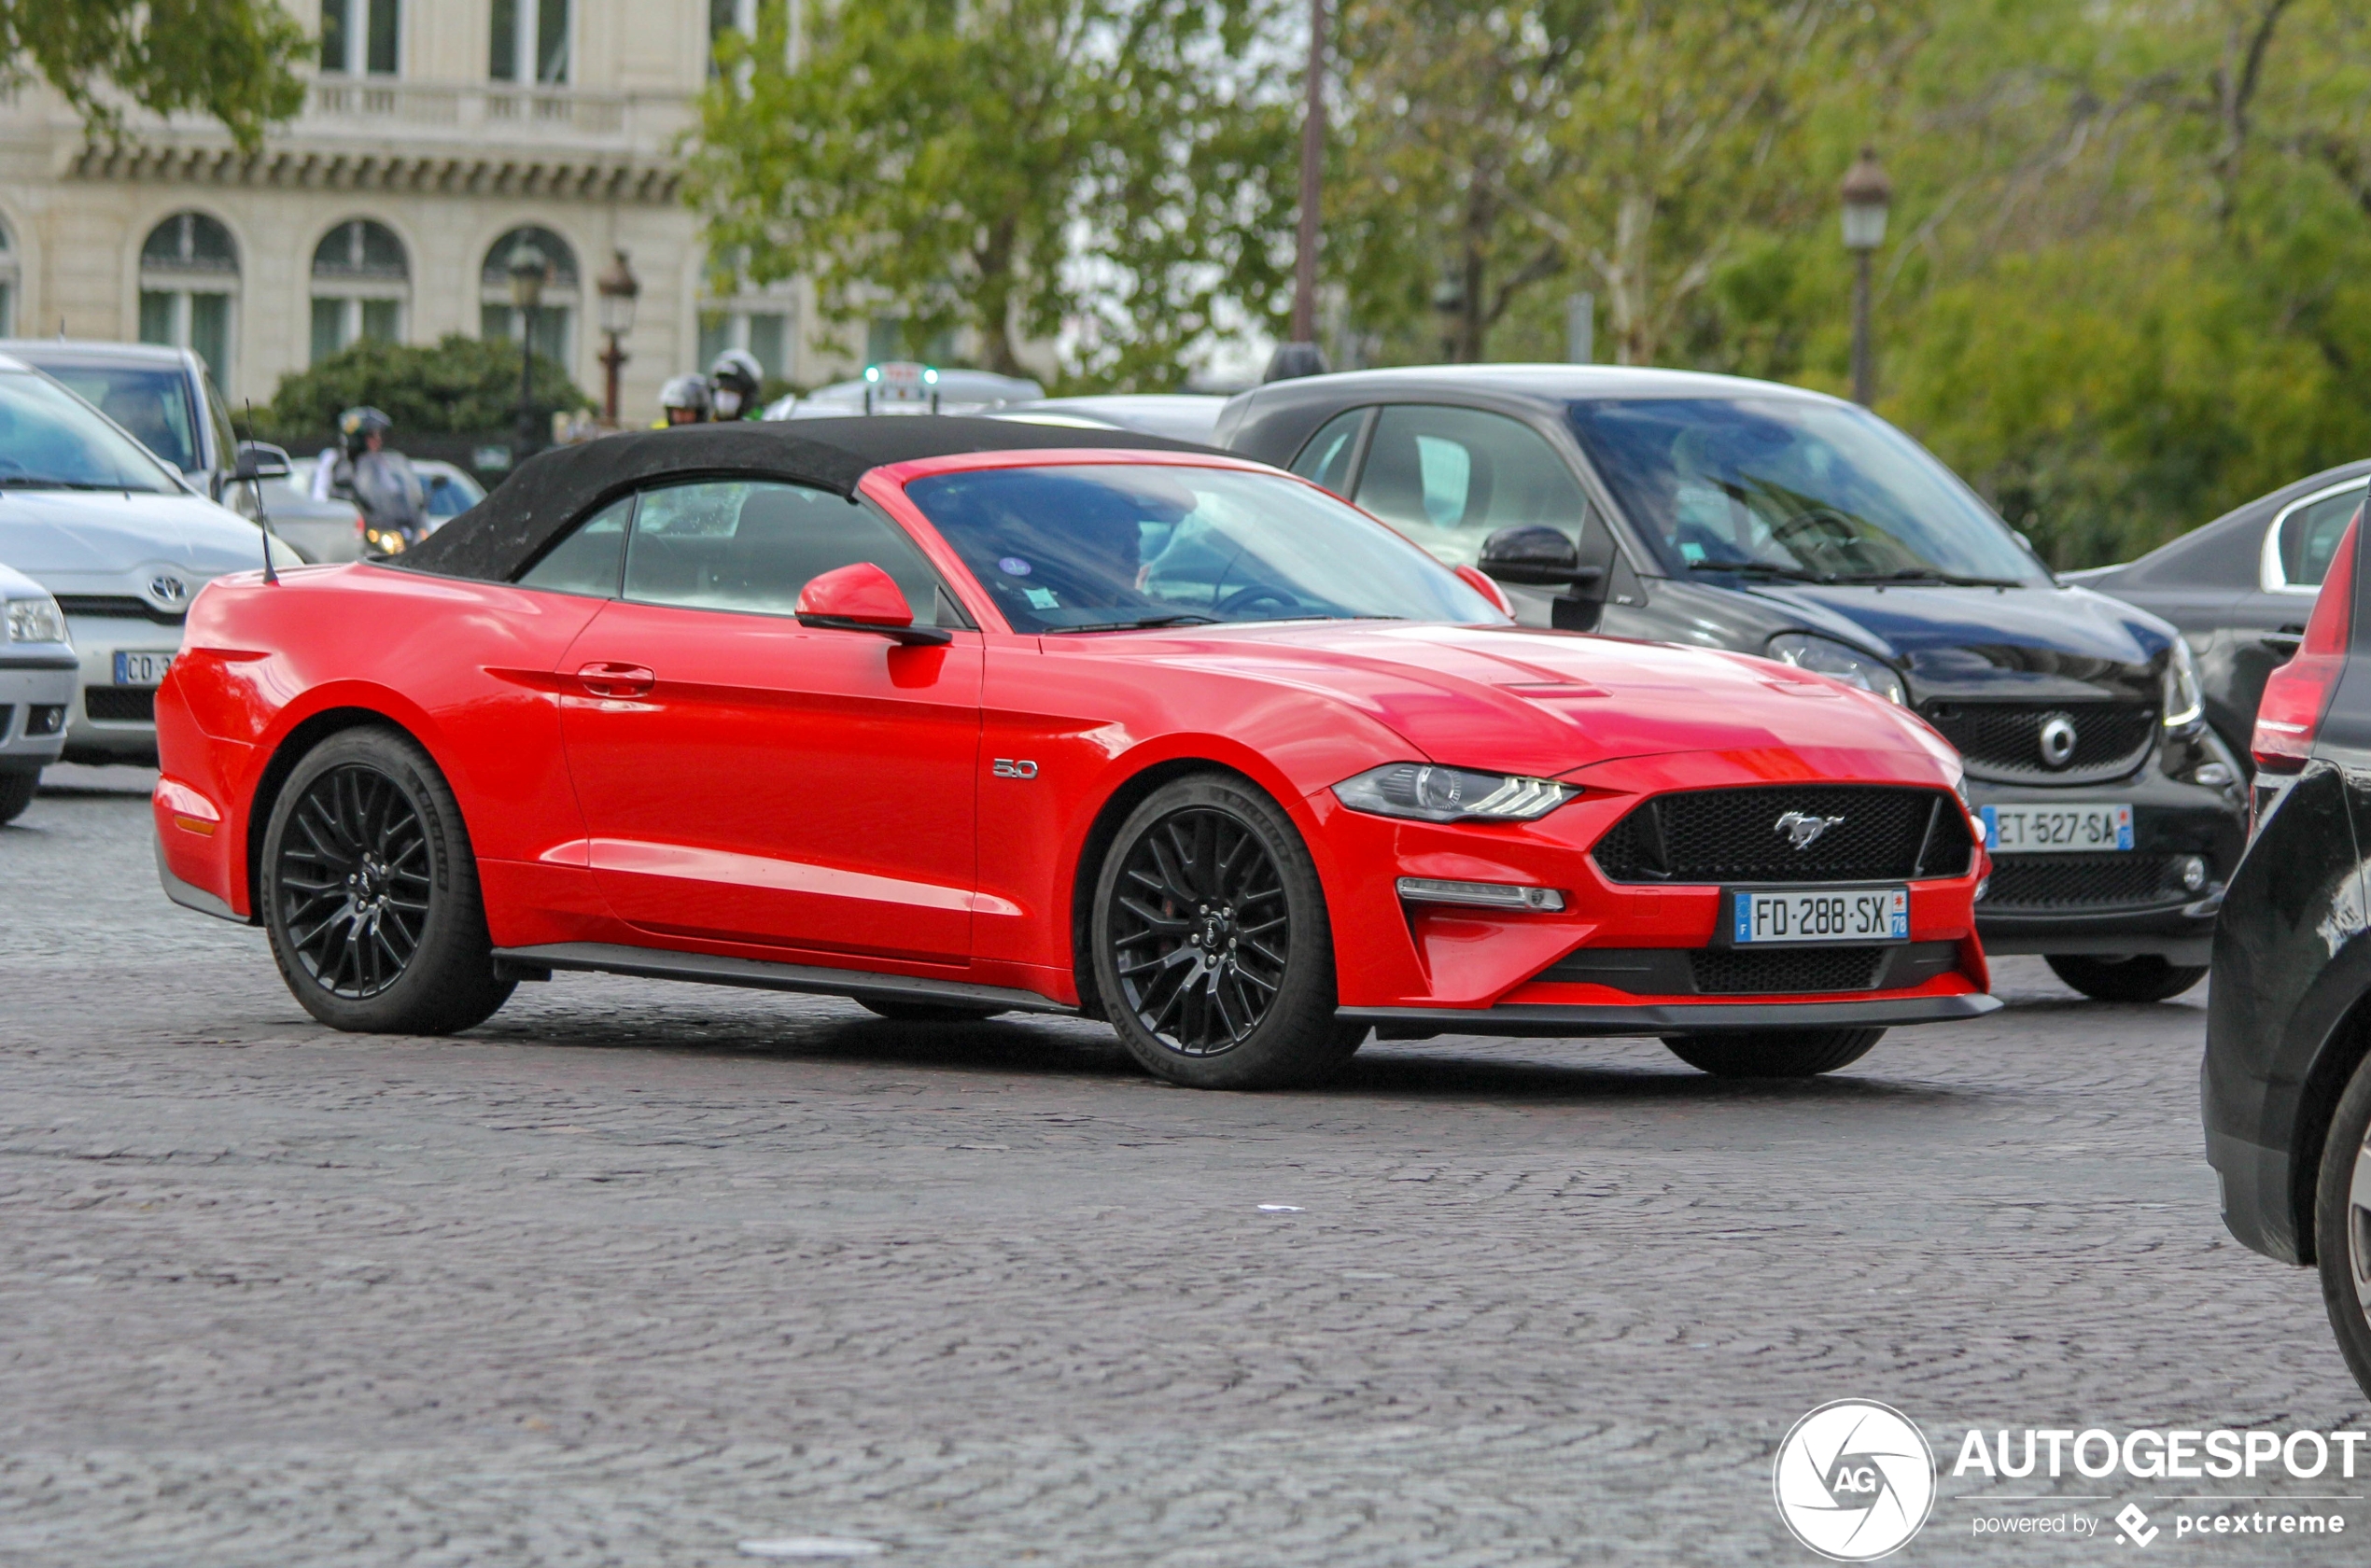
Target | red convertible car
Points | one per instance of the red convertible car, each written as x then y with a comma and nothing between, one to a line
957,717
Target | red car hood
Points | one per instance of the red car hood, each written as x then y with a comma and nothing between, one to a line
1545,702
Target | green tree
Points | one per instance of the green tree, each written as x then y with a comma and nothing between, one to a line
459,384
1115,170
229,59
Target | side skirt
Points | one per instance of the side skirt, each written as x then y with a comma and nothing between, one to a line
656,963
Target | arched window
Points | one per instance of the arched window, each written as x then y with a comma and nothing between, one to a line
360,281
554,313
9,275
189,281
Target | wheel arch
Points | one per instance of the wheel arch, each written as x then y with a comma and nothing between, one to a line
2333,1067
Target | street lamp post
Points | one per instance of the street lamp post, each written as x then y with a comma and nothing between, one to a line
1302,357
618,287
1867,195
528,268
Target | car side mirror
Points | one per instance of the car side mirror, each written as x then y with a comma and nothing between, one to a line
260,460
1539,557
863,598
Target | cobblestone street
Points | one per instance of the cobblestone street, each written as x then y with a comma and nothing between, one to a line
637,1273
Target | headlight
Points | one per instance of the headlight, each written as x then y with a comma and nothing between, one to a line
2184,698
36,621
1448,794
1839,661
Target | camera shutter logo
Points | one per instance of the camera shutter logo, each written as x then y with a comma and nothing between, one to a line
1854,1480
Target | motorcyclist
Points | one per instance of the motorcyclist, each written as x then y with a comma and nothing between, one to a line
381,484
734,383
683,401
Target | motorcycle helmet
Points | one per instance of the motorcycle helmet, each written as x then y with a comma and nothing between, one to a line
735,379
684,394
356,425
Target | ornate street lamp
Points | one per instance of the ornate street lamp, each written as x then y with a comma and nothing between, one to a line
528,268
1868,194
618,287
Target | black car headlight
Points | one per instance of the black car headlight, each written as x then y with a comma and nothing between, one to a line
1839,661
1431,793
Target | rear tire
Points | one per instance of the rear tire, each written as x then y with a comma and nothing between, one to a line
2144,977
369,893
926,1012
16,793
2342,1224
1212,948
1774,1053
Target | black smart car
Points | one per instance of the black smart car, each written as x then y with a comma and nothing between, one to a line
1740,514
2239,587
2287,1085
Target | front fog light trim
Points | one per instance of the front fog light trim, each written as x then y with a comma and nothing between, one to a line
1480,895
2191,871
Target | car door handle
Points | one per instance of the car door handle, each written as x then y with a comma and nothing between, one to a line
606,679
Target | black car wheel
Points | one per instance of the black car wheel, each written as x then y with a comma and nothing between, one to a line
1212,948
16,793
2342,1224
2144,977
371,892
1774,1053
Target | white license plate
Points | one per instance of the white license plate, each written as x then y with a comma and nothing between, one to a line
1827,915
2037,830
141,669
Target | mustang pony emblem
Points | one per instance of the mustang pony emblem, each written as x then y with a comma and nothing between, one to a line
1803,829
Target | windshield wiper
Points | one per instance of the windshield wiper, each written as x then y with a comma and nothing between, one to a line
1918,575
1184,618
1763,569
32,482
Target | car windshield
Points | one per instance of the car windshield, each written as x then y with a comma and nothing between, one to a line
1788,487
1109,547
150,402
51,440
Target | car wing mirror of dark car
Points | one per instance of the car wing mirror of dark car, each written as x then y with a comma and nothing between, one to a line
1537,555
863,598
260,460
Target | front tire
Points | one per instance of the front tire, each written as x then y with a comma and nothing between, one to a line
1774,1053
16,793
2144,977
369,893
1212,948
2342,1224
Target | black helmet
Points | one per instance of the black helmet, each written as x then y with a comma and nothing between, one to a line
735,378
356,424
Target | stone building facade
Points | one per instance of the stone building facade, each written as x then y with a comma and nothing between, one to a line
434,134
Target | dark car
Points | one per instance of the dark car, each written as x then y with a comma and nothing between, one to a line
1764,519
2287,1085
2241,587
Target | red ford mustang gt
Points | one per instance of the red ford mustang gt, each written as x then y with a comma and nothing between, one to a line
957,718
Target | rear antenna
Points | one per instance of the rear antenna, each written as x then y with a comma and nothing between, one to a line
262,513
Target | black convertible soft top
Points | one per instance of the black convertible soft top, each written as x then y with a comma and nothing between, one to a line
502,534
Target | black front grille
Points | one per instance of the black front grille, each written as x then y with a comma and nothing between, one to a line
118,607
2080,882
2005,738
1772,971
1873,832
120,704
1780,973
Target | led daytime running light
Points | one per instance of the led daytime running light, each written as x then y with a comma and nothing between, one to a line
1485,895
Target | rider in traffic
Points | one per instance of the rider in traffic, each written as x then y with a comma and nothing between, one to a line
734,383
683,401
381,484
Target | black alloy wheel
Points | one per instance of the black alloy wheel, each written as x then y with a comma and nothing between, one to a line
1201,935
1213,953
352,874
2342,1224
370,891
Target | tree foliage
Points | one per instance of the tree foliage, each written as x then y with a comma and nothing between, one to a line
1115,174
459,384
230,58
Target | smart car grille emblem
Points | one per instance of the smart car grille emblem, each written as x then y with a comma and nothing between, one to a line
2058,740
1802,828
